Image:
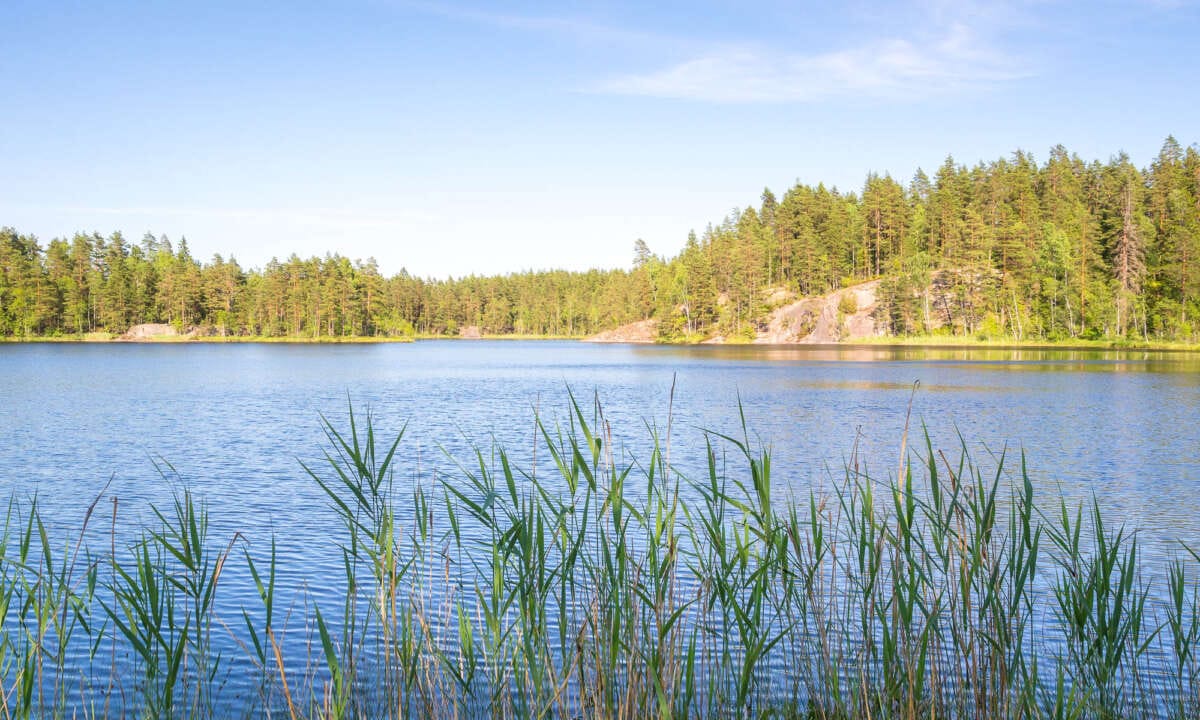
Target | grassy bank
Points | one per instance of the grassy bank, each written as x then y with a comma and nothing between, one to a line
588,587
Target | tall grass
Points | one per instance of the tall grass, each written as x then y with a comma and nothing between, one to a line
587,586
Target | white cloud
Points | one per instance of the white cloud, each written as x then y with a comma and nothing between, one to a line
954,57
946,50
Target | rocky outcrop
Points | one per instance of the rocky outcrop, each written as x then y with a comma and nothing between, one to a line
877,308
777,297
843,315
840,316
642,331
150,331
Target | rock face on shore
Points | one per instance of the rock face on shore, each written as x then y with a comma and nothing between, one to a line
150,331
955,298
642,331
843,315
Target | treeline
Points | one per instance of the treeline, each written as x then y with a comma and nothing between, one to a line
1064,249
95,284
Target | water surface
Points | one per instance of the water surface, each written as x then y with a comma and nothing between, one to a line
234,419
234,422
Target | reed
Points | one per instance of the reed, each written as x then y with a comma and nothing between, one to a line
590,585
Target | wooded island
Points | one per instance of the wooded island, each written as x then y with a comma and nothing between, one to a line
1003,250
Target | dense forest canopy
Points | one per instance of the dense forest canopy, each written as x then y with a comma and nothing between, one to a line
1059,250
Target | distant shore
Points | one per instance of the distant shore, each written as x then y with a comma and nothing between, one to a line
110,338
945,341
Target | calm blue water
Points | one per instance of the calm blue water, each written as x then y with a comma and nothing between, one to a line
234,422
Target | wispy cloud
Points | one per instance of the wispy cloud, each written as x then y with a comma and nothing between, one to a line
950,48
953,57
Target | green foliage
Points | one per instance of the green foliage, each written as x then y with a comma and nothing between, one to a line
1081,250
390,323
990,328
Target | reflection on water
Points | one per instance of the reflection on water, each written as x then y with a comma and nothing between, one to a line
875,385
1008,357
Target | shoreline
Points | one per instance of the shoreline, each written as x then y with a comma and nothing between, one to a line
938,341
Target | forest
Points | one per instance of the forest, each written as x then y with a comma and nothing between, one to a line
1063,249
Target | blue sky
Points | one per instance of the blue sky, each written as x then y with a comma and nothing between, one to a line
453,138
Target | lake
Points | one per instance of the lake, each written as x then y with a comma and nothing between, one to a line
234,419
234,422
